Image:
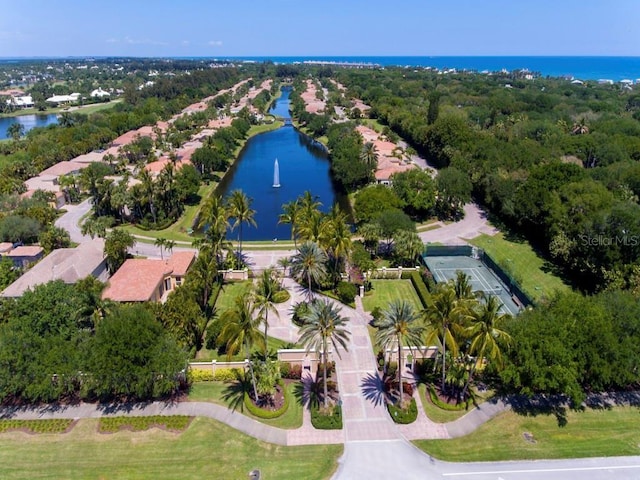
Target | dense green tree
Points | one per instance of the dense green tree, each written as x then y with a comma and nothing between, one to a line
454,190
17,228
54,237
116,245
373,200
407,245
131,357
417,190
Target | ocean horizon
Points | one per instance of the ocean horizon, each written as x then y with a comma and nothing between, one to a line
579,67
614,68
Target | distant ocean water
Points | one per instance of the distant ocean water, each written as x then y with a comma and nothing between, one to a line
584,68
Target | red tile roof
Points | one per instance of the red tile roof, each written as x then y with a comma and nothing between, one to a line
180,263
136,280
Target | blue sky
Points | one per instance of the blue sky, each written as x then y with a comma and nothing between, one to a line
329,27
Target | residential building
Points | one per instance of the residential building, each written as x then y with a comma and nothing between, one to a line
66,264
148,280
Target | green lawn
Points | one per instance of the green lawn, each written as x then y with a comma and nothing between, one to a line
592,433
385,291
527,266
227,297
207,449
214,392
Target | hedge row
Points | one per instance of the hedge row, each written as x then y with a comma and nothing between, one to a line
403,415
446,406
326,422
176,423
421,288
36,426
267,414
226,375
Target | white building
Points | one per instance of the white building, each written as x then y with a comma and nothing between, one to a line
74,97
100,93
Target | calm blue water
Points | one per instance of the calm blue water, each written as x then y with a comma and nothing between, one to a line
304,165
280,107
29,122
586,68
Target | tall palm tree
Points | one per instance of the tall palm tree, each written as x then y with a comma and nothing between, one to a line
443,318
291,215
214,220
309,211
324,325
203,276
309,265
399,326
369,155
162,243
266,290
462,286
337,235
148,190
240,210
240,331
485,335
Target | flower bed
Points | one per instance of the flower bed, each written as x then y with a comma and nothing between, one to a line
175,423
37,426
265,413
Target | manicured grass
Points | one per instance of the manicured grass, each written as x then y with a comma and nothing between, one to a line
428,227
227,297
214,392
385,291
207,449
527,267
592,433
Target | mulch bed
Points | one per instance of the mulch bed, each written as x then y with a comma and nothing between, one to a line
269,402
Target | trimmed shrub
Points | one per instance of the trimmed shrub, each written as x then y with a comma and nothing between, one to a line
346,292
433,395
331,368
421,289
267,414
319,420
291,372
227,375
300,310
196,375
403,415
281,296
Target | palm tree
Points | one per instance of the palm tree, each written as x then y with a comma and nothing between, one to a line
240,209
443,317
324,325
240,331
580,127
213,219
485,335
337,235
371,234
266,291
15,131
284,262
462,286
162,243
407,246
291,215
398,326
203,275
148,190
309,265
369,155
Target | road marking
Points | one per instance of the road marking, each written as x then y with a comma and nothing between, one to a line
543,470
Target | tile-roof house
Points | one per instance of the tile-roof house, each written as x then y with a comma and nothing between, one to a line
66,264
24,255
148,280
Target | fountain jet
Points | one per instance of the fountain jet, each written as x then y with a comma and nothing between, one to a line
276,175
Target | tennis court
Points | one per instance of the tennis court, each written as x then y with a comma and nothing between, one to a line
480,277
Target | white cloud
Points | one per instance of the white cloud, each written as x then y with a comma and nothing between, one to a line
215,43
112,40
143,41
185,43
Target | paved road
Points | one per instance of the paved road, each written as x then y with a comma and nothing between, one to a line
473,224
